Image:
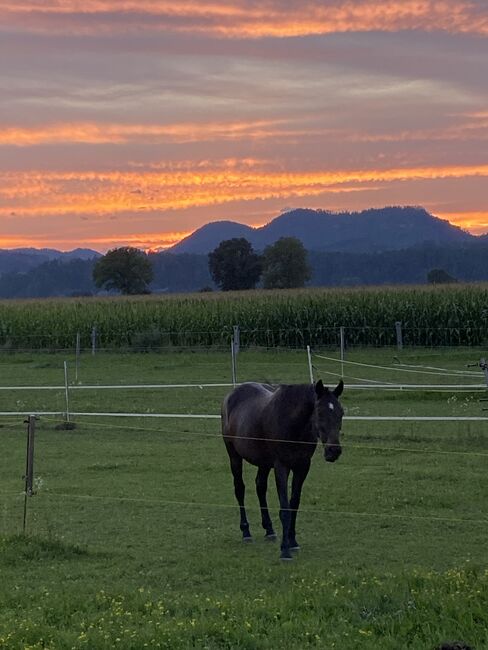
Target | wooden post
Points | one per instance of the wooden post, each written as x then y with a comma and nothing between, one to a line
399,337
310,367
94,339
484,368
77,355
66,389
29,465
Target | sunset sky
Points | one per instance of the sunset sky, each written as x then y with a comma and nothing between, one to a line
134,122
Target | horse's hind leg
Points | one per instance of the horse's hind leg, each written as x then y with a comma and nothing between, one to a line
261,488
281,477
239,490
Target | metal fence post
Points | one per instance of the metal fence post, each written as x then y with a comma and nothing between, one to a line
237,339
77,354
399,337
66,389
233,361
343,349
94,339
310,366
29,465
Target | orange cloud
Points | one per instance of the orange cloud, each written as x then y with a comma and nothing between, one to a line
240,19
475,222
98,133
102,193
468,127
152,240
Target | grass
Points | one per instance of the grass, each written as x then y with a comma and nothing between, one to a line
133,541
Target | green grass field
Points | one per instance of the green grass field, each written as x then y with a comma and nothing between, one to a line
133,538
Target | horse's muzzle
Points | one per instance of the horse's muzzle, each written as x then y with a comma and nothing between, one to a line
332,453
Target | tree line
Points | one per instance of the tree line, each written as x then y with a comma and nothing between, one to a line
233,266
186,272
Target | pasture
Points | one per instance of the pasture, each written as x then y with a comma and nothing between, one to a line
133,538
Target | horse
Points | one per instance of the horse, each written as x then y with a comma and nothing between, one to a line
278,427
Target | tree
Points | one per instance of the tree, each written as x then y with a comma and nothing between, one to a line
234,265
285,264
125,269
439,276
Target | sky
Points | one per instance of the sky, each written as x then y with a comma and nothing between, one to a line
134,122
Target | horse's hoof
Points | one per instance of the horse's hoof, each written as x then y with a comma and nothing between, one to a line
248,540
286,557
270,537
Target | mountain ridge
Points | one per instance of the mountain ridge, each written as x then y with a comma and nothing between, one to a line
371,230
21,260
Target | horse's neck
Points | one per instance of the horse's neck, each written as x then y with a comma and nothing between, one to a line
295,413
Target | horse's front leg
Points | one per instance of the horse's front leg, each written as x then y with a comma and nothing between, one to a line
281,477
299,476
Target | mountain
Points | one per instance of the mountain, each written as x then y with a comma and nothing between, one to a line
22,260
203,240
53,254
373,230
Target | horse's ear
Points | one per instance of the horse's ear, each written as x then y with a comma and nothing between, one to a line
338,389
320,389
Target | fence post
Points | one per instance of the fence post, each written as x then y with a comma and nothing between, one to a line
233,360
29,464
77,354
94,339
66,389
310,367
237,339
399,337
343,349
484,368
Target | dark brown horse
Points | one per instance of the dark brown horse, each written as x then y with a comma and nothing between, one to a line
277,427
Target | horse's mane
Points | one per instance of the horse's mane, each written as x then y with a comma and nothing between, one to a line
294,393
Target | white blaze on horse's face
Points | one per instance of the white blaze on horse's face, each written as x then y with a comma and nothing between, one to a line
328,419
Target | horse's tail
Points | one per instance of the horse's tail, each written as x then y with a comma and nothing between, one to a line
224,415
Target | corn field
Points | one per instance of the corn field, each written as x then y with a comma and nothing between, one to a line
430,316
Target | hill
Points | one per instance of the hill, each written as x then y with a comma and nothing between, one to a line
373,230
21,260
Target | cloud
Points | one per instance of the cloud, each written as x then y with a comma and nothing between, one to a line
475,222
98,133
71,193
276,18
461,127
251,105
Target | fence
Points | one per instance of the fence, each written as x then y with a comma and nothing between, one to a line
441,379
390,335
369,378
363,449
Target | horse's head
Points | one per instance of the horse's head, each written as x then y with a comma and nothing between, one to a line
328,415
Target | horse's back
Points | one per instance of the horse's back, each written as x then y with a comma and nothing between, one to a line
242,421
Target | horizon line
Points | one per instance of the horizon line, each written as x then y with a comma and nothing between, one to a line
151,248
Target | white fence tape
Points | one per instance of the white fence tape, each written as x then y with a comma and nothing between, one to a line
206,416
115,386
455,373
